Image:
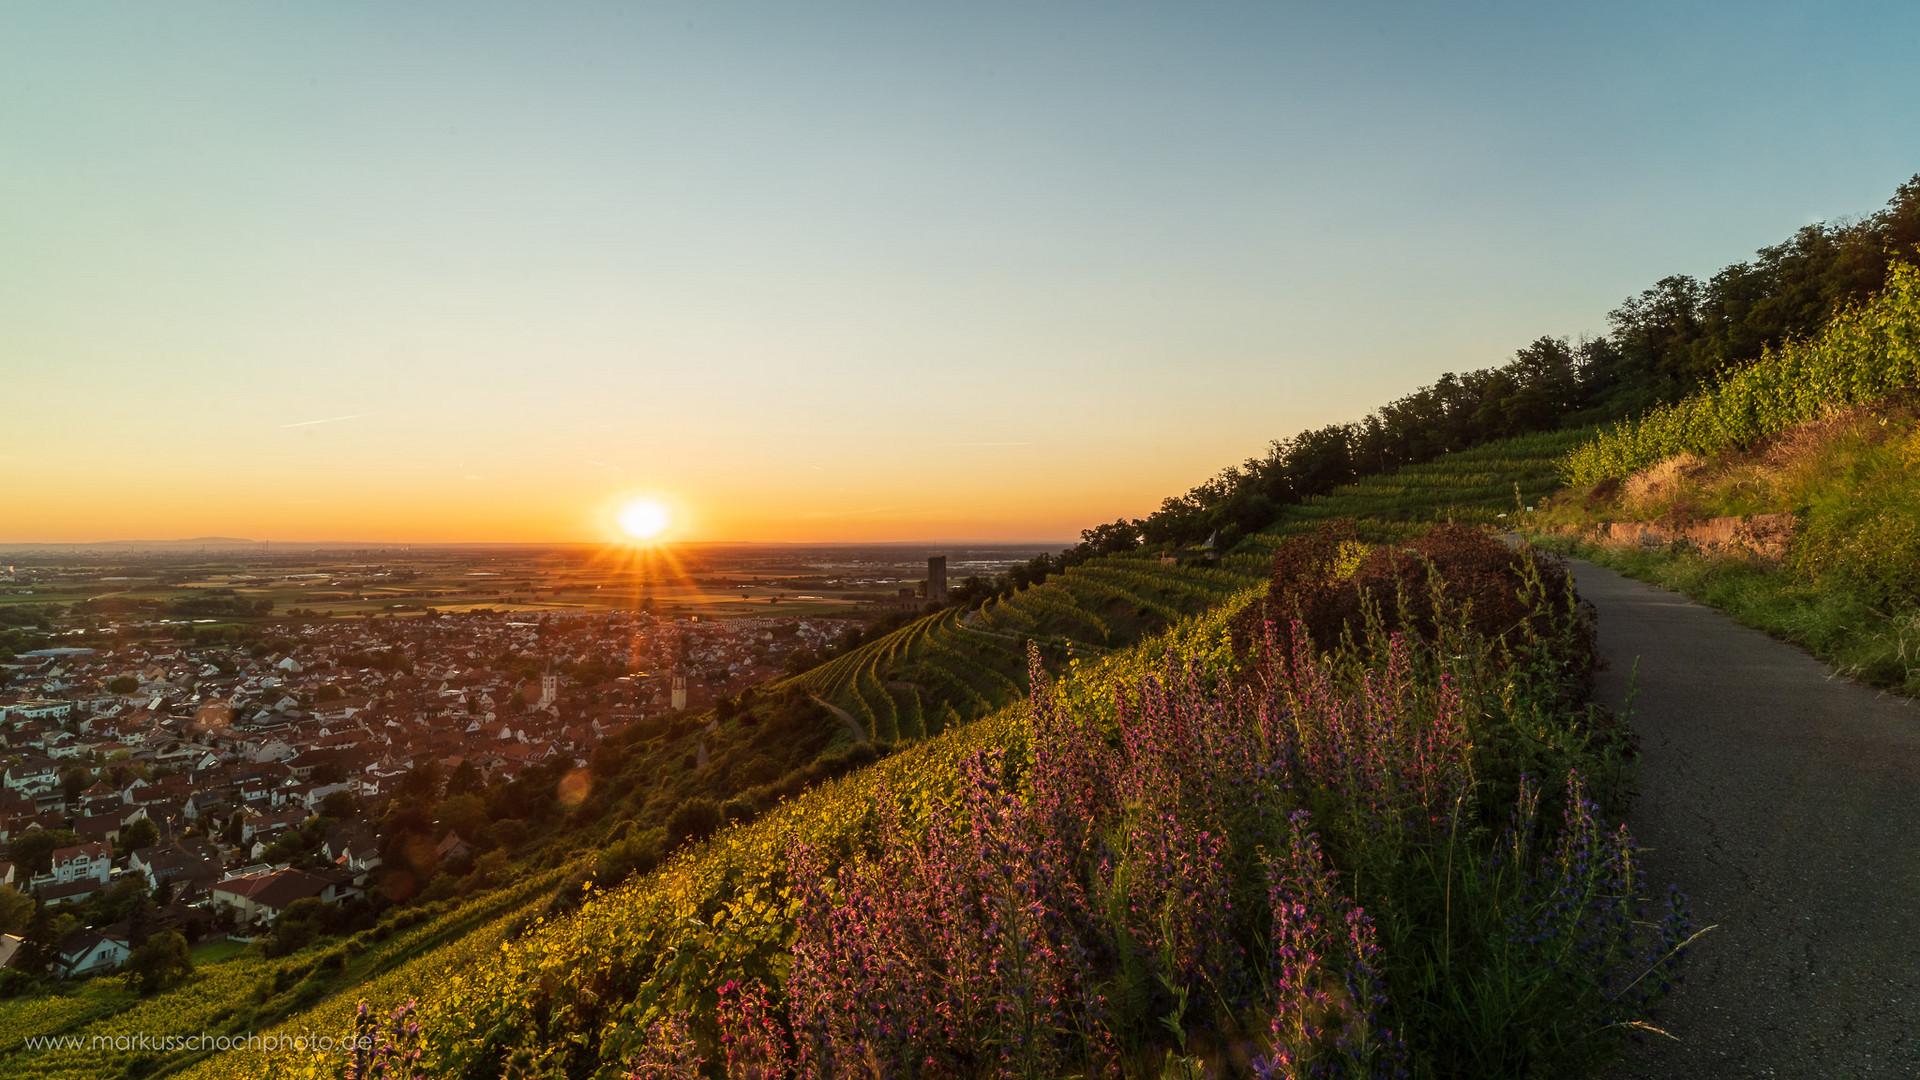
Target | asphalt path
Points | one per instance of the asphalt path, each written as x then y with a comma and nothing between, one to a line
1785,801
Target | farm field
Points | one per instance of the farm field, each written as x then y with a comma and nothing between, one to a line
710,580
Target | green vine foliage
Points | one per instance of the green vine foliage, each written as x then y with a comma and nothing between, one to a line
1864,354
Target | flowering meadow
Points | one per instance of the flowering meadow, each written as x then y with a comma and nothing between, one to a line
1381,856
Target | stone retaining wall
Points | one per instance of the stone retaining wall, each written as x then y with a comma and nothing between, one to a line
1765,535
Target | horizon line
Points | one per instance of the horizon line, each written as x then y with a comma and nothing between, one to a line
237,544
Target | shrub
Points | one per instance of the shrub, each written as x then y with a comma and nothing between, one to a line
739,808
636,853
1329,586
695,819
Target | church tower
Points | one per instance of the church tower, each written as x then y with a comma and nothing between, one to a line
937,578
679,689
549,687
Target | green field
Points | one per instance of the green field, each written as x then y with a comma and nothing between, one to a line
217,952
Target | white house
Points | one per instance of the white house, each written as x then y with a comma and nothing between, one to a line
40,709
86,952
261,897
33,774
81,861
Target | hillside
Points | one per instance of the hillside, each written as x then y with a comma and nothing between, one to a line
616,980
937,674
948,668
1487,485
1785,494
697,814
712,882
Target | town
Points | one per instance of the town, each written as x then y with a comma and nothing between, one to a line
211,785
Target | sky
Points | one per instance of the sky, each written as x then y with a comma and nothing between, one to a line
477,272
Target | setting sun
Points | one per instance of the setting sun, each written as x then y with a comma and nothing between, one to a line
644,519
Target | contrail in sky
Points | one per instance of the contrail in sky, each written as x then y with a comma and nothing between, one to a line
328,420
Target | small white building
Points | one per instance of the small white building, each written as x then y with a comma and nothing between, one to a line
80,862
87,952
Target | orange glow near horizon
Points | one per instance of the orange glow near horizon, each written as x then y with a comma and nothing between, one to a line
903,498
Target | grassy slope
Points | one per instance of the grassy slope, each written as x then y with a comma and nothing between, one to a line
1824,428
1847,591
235,996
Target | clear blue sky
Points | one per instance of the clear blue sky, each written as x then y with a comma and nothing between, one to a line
841,271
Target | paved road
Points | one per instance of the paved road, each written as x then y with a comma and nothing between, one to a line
1786,802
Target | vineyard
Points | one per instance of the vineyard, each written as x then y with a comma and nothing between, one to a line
1482,486
953,666
1865,354
246,994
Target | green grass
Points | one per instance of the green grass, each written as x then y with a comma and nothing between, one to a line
1848,588
217,952
1859,640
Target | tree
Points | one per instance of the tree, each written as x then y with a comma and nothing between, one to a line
694,819
442,887
466,779
16,910
42,939
302,922
490,869
340,805
422,782
122,684
34,850
126,898
507,833
162,962
142,833
464,814
1121,535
